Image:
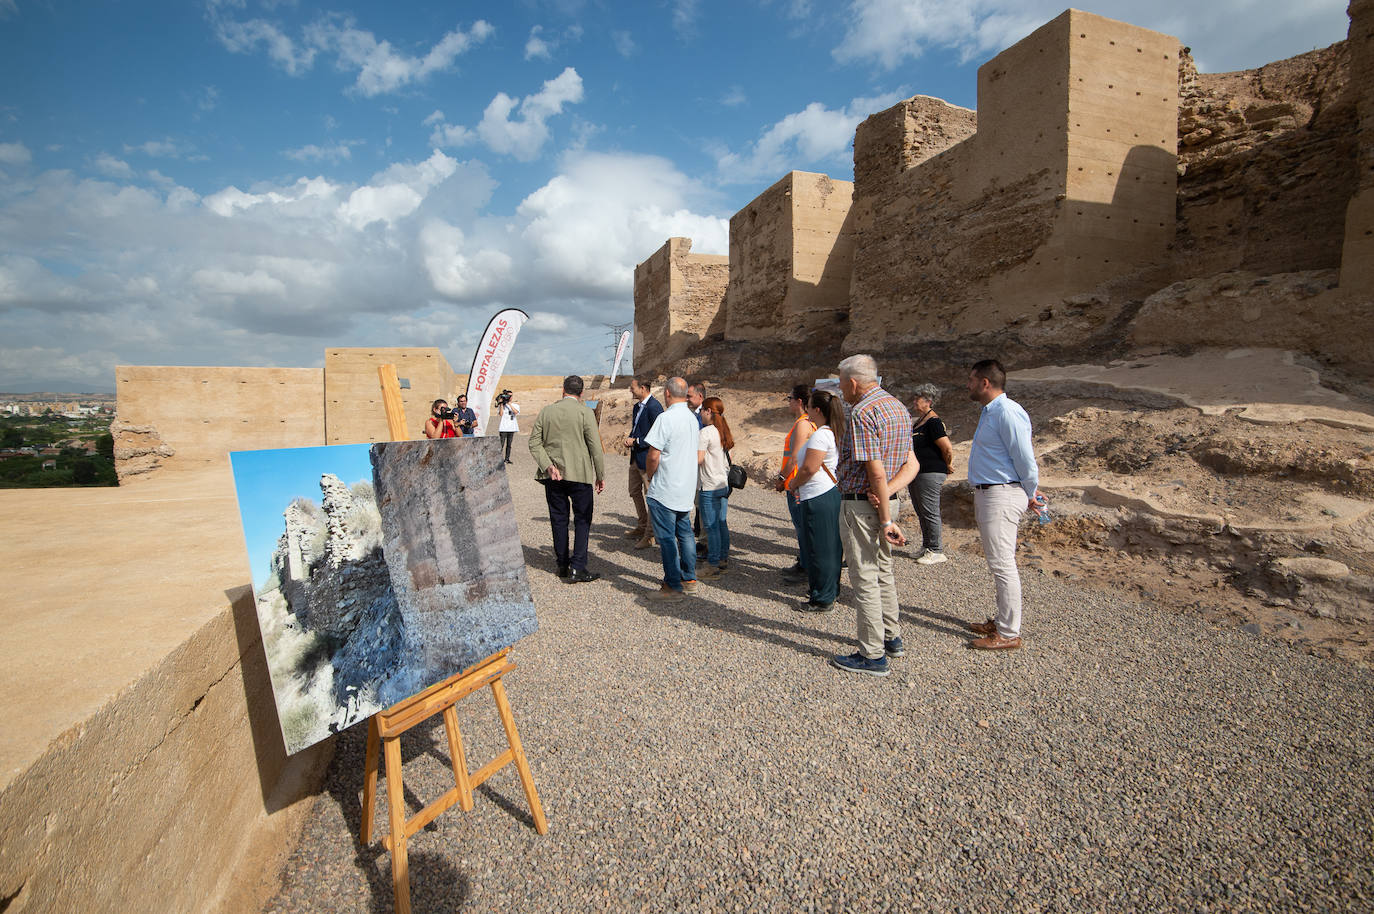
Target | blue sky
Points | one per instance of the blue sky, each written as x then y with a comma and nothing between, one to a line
248,182
266,482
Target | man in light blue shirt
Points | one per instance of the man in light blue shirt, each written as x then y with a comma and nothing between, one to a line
1002,471
671,471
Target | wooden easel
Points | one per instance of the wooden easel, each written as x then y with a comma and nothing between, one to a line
385,728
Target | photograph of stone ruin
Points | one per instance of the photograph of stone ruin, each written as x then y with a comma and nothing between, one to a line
1178,270
378,589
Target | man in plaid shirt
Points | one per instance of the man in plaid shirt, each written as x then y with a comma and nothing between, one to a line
876,461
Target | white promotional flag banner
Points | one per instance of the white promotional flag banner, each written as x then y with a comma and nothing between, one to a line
619,354
490,362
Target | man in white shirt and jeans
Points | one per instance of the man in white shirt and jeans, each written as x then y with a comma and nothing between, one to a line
671,471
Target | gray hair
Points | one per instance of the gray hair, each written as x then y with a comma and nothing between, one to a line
861,368
929,391
676,388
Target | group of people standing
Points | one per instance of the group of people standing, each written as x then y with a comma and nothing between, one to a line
847,456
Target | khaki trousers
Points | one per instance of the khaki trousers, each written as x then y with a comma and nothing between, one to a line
998,511
637,487
870,575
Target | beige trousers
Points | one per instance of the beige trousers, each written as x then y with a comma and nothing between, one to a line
637,486
870,575
998,511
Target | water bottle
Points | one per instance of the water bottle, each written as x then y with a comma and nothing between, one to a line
1042,510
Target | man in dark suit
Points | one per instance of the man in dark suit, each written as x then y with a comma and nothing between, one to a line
642,416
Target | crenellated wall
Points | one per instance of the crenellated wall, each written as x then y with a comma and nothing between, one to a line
679,301
791,258
1067,181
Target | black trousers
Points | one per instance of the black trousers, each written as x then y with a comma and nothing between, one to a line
506,439
561,496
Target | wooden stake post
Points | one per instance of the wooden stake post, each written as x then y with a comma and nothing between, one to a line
385,728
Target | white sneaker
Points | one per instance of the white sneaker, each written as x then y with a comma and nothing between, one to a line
931,558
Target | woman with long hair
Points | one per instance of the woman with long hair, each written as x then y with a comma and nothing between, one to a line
816,488
713,480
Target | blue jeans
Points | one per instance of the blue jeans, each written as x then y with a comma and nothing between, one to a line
713,509
676,544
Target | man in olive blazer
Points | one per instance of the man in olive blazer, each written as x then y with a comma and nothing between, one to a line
566,446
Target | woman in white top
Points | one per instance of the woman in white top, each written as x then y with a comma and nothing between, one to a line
713,481
508,427
816,488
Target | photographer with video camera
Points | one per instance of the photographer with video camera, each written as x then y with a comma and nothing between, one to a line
440,421
465,418
509,409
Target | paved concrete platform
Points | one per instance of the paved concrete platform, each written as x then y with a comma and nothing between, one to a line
141,758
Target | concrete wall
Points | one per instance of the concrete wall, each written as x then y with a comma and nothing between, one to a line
353,393
204,413
679,300
791,259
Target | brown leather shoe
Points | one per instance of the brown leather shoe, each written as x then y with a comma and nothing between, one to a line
645,542
995,642
983,628
634,533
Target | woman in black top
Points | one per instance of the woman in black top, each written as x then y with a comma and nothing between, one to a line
930,441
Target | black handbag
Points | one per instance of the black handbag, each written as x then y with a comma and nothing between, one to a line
736,477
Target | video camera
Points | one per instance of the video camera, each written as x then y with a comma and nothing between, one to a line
445,413
503,397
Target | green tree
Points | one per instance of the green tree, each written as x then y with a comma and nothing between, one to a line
12,437
83,472
104,446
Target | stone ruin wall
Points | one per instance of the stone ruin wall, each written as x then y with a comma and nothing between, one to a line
791,258
1276,210
679,301
1267,165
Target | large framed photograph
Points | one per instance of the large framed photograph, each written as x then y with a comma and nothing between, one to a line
378,571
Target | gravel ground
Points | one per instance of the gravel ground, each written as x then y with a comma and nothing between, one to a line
703,756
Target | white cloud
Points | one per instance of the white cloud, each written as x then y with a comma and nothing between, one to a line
524,136
734,97
435,117
272,272
8,8
456,270
167,148
209,98
604,213
14,154
685,16
815,137
341,151
535,46
229,282
451,135
624,43
1225,34
543,320
381,68
245,37
111,167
